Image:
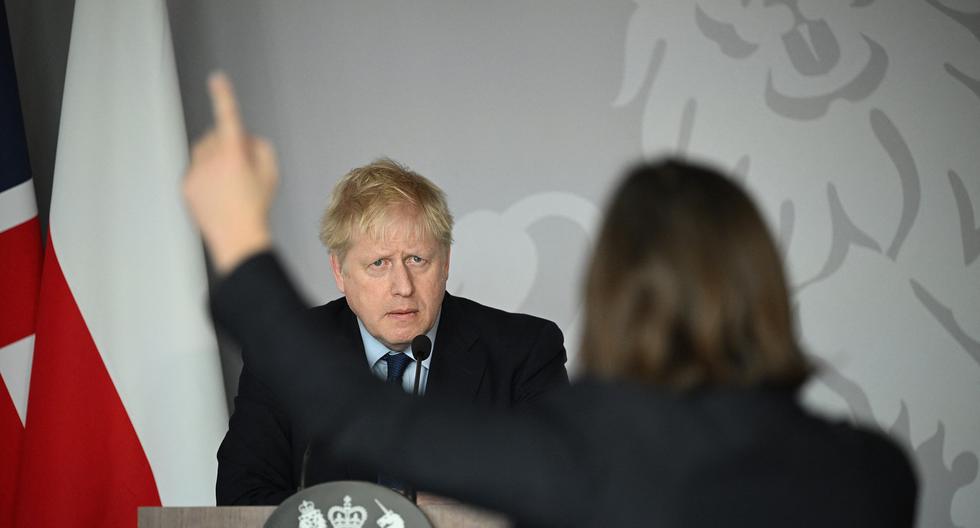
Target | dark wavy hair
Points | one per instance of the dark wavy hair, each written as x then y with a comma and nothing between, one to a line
686,288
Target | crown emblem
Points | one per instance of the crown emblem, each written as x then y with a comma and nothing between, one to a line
310,516
347,516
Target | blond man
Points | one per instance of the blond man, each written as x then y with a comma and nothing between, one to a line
388,231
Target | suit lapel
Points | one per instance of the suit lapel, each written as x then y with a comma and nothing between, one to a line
458,359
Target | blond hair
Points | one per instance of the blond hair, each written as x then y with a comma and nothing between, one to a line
363,199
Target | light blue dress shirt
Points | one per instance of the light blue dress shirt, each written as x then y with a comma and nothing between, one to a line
374,350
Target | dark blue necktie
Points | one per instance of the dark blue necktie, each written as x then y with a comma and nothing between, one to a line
397,363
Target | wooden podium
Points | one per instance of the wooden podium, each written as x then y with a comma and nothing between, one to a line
442,513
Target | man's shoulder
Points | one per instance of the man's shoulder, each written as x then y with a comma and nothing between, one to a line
494,319
527,352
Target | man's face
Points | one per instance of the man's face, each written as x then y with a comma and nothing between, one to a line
394,284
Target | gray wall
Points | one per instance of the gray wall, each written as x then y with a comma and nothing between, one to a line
855,124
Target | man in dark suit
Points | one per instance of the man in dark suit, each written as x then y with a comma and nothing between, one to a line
389,232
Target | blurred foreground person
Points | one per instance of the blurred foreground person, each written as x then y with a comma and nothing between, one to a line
687,417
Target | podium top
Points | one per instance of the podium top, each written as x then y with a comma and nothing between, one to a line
442,513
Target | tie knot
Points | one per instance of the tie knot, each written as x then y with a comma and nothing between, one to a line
396,366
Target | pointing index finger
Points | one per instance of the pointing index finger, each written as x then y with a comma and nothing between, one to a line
227,120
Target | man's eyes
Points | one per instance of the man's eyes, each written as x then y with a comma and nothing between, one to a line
414,260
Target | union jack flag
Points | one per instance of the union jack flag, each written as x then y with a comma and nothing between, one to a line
20,269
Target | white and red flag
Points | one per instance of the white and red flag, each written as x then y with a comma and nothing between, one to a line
126,405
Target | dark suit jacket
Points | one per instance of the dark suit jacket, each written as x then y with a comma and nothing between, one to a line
481,355
593,454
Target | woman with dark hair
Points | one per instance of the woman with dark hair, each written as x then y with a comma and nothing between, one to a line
686,289
687,415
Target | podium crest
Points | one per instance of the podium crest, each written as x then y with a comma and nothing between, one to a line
347,504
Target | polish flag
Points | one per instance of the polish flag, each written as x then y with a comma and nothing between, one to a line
20,269
126,405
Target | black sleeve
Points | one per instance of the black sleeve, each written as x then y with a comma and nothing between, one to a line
522,464
254,460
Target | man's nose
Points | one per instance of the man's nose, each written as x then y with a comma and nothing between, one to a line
401,280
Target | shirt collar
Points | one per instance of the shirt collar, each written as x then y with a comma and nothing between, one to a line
374,350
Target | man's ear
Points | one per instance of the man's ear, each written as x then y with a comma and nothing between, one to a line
338,273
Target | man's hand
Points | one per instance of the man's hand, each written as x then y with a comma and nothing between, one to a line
230,183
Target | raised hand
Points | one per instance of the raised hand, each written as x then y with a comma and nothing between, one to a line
230,183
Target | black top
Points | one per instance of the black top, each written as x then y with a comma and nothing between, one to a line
482,356
594,454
